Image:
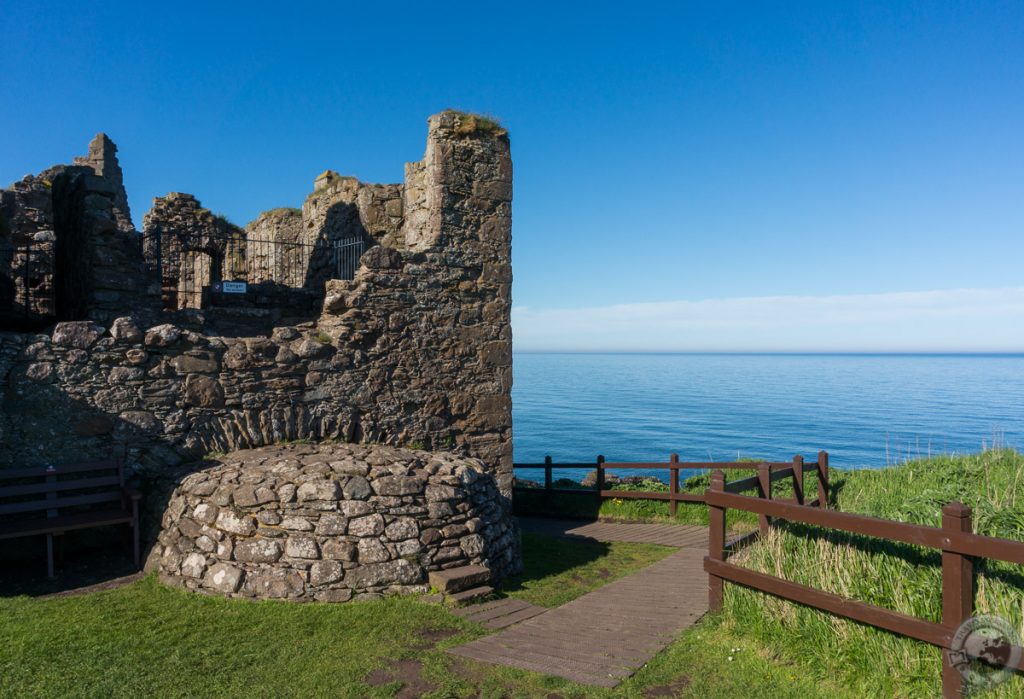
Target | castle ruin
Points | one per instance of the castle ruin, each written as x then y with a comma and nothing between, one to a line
146,345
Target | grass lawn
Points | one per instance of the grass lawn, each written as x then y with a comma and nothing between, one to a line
145,639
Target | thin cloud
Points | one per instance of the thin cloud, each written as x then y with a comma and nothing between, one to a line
953,320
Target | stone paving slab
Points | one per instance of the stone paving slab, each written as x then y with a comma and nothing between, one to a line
606,635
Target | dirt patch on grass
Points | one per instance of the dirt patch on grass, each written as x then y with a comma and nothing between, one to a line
431,637
667,690
408,672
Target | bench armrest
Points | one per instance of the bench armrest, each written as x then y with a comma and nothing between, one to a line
132,493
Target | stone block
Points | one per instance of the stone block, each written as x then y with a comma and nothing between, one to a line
257,550
301,547
326,572
223,577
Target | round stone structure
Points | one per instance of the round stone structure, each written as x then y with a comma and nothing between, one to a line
333,523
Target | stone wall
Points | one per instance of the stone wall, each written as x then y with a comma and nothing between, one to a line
416,350
275,249
76,219
190,249
331,522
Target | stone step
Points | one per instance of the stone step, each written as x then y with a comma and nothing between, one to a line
471,594
458,579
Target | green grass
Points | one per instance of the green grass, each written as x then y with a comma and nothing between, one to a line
146,639
559,570
903,578
281,211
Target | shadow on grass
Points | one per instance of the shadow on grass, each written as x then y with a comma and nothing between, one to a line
547,556
93,557
576,505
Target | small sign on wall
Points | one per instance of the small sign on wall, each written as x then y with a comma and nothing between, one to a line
234,287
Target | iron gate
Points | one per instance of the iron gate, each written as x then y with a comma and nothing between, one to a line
27,296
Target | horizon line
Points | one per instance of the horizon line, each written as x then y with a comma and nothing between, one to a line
932,353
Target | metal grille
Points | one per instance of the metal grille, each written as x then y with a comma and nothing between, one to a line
346,255
26,285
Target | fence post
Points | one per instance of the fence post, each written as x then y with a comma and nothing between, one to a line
823,479
957,590
764,485
600,476
547,481
673,485
798,479
716,541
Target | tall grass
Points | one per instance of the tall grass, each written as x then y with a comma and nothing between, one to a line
903,578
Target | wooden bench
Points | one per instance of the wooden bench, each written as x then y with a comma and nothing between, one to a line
58,499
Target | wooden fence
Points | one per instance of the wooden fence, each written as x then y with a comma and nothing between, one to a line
776,471
956,540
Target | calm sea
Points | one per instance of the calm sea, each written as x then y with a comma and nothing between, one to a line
865,410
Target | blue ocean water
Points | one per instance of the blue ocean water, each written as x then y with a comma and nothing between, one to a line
865,410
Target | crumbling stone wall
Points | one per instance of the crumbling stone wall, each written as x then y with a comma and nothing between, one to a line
276,251
196,249
330,522
70,242
416,350
26,247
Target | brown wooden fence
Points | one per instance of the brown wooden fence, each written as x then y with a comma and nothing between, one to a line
956,540
776,470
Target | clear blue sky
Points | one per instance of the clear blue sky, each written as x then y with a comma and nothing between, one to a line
824,153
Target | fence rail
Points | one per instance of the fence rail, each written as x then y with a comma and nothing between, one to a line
777,470
955,539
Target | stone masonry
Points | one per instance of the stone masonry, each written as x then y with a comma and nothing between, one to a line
416,350
331,522
73,217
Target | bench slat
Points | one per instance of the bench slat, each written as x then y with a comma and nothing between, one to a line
10,530
57,503
63,468
75,484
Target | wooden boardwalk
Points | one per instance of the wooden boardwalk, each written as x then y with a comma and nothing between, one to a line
603,636
678,535
500,613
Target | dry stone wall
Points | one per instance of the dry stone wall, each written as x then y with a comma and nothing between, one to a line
331,522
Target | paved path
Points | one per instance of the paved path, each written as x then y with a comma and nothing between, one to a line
603,636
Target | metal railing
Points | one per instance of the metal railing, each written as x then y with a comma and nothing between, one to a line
190,268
